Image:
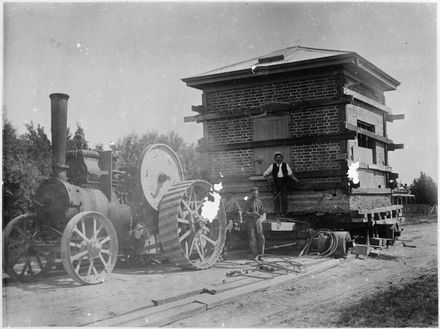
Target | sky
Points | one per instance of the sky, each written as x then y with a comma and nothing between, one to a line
122,63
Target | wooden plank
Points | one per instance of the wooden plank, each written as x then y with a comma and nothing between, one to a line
198,108
381,209
212,301
368,133
371,191
271,108
366,100
391,117
303,140
393,147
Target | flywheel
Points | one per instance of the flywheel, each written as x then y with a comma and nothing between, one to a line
192,224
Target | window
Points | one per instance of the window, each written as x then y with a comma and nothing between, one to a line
363,140
366,142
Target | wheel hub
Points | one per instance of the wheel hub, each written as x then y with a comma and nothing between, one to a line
94,249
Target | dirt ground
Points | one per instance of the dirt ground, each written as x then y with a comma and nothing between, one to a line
315,301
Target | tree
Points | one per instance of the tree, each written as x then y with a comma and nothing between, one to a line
425,189
26,162
128,149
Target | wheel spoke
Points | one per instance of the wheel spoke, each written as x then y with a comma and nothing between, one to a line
199,252
31,272
184,235
209,239
99,230
78,266
187,206
107,238
103,260
94,228
83,226
186,250
20,231
94,270
183,221
89,271
79,255
191,248
198,205
76,245
80,234
26,264
105,251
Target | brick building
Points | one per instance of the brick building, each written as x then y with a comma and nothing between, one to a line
324,109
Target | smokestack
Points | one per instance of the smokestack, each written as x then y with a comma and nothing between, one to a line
59,132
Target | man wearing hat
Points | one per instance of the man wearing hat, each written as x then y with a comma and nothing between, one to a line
255,216
280,172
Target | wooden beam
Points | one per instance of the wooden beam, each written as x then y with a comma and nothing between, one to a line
371,191
391,117
366,100
271,108
304,140
368,133
198,108
393,147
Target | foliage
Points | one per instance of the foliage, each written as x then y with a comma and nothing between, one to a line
425,189
26,162
128,149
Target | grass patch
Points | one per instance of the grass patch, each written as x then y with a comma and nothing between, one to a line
414,304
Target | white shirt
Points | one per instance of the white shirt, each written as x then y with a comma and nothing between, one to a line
280,172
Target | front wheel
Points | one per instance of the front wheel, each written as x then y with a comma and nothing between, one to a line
89,247
25,257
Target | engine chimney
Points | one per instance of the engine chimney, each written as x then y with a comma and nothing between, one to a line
59,133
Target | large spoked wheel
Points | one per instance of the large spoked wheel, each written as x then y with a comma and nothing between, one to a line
89,247
25,257
188,238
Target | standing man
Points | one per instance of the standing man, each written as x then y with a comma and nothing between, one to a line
255,216
280,172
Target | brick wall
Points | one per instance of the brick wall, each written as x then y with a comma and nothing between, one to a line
316,156
303,122
314,121
235,98
224,131
231,163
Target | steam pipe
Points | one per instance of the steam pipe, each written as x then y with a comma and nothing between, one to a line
59,134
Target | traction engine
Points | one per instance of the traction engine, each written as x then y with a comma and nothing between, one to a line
87,214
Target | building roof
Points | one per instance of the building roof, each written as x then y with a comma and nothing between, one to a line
292,58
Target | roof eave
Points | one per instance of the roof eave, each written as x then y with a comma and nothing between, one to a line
199,81
388,82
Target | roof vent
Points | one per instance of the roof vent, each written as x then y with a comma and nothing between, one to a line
270,59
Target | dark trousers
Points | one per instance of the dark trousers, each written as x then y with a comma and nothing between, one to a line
280,193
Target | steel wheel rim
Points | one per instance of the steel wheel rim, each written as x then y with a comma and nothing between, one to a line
22,258
198,241
89,248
